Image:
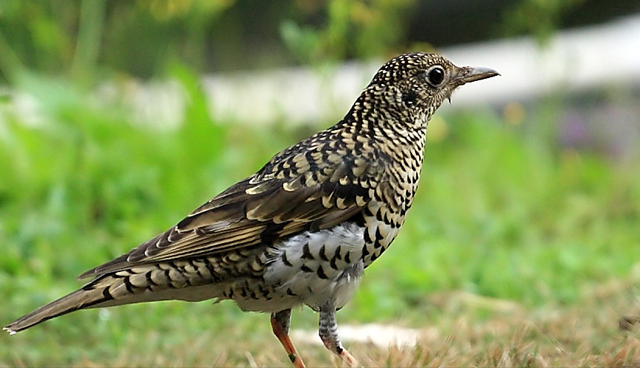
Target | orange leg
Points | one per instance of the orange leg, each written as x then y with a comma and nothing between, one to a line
280,326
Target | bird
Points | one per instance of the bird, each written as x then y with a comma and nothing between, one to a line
303,228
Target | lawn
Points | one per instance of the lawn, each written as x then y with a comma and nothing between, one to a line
518,251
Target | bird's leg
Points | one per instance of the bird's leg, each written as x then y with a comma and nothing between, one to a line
280,326
328,331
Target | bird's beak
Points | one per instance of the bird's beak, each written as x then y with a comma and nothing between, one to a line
469,74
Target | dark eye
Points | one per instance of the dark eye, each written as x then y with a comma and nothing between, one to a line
435,75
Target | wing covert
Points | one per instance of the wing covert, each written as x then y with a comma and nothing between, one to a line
259,209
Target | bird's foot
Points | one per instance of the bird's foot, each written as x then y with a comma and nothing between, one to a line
346,357
349,359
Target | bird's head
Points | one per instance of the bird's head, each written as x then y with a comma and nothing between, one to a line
416,84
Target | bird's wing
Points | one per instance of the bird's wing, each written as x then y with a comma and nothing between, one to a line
280,200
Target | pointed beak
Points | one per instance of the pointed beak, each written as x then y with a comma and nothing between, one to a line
469,74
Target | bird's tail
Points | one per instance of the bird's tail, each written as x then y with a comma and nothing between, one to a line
143,284
86,297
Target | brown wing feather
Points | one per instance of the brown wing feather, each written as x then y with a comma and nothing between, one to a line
252,211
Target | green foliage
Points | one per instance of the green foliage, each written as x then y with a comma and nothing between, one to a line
352,28
86,39
540,18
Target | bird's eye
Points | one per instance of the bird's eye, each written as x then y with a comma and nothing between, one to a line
435,76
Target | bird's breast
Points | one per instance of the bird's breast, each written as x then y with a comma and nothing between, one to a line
382,224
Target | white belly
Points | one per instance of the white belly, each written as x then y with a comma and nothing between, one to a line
313,268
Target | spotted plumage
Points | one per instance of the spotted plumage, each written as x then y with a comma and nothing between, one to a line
305,226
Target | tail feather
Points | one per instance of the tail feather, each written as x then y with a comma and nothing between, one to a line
144,284
79,299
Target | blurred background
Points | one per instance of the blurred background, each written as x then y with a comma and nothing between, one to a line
117,118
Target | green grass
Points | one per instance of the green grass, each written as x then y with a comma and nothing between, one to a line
502,213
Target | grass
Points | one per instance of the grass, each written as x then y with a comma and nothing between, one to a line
503,217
